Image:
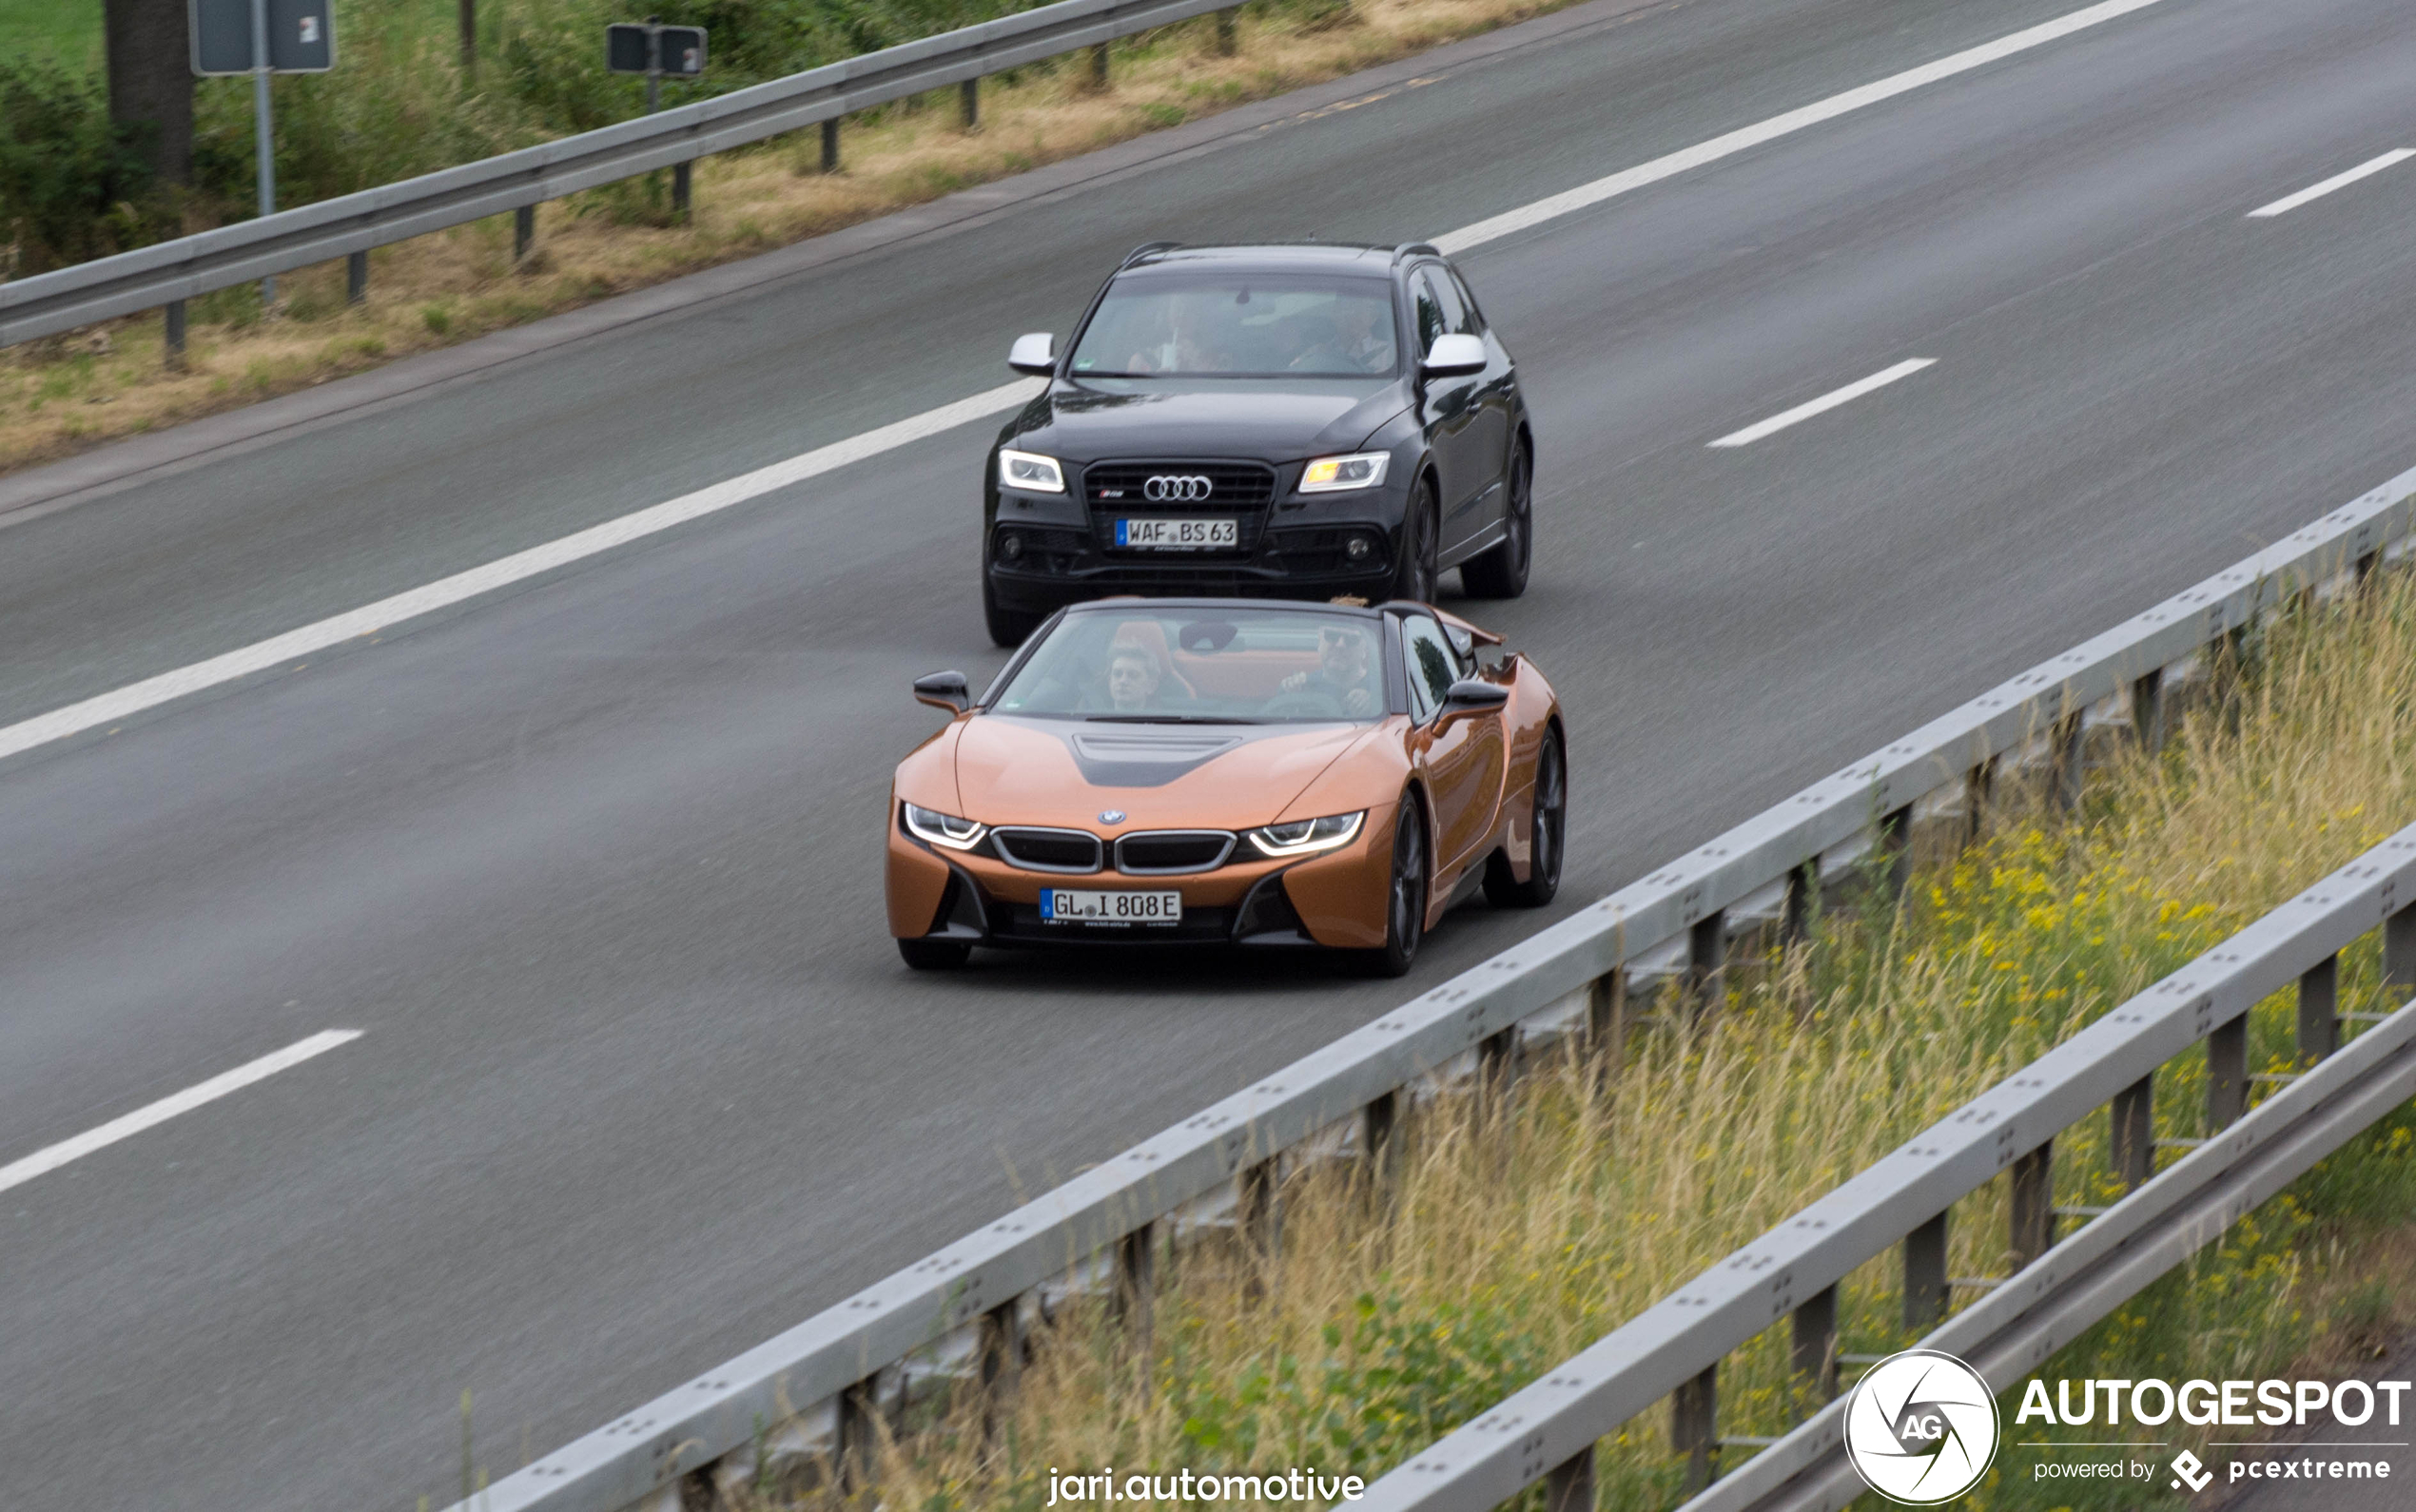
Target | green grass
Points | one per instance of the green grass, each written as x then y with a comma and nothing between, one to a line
53,32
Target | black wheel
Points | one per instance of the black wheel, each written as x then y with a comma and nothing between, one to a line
1413,574
1502,572
1009,627
935,954
1547,837
1405,899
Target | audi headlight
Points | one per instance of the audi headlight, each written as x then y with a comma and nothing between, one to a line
1030,471
1306,837
1336,475
944,829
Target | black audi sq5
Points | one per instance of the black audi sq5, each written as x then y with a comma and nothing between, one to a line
1297,421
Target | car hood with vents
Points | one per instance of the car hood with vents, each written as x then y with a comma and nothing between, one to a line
1273,420
1013,771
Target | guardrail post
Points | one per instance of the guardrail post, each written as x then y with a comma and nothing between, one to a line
2227,1073
683,178
1226,45
1570,1487
2033,1204
1694,1428
2147,711
1496,1067
968,105
1002,1350
830,146
1380,1147
355,277
2399,948
857,1440
1136,1293
523,232
172,338
1606,1022
1803,902
1258,1224
1925,1276
2319,1010
2366,565
1815,1352
1895,843
1979,789
1098,67
2069,758
2134,1133
1706,960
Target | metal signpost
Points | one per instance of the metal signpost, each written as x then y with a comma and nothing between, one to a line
261,37
653,50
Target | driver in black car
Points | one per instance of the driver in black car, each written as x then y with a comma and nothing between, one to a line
1346,671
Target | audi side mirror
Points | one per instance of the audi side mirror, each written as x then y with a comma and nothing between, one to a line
1473,695
1454,354
943,690
1034,353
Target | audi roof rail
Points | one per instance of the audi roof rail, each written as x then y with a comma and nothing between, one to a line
1145,249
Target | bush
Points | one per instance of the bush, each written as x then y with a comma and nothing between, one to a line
72,185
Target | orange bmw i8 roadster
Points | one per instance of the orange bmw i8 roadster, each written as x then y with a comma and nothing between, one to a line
1229,772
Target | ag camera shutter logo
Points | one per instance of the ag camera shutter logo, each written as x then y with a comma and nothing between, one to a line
1921,1428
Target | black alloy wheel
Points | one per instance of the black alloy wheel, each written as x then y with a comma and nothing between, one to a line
1405,899
1501,573
1413,574
1009,627
935,954
1547,837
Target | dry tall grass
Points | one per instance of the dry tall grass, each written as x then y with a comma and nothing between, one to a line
1526,1227
67,394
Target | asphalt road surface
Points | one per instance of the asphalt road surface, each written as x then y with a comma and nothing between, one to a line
595,867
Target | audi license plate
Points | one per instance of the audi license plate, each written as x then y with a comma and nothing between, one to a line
1178,536
1064,906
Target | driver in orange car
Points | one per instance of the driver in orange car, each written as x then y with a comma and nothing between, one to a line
1345,671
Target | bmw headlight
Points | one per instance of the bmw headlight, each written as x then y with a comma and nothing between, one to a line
1337,474
1030,471
944,829
1306,837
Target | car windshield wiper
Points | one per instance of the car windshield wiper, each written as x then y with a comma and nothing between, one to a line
1171,719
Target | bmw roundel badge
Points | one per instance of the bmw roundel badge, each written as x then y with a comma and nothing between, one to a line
1111,816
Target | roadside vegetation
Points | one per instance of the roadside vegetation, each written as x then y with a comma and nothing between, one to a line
1524,1228
398,103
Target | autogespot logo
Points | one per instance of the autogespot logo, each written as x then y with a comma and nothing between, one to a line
1920,1427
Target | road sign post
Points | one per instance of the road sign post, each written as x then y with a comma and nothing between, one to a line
653,50
261,37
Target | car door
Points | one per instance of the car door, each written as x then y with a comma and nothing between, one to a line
1461,755
1451,408
1497,405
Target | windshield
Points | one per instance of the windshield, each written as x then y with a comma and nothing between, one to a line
1241,666
1238,325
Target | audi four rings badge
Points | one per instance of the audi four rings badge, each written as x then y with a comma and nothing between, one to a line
1170,489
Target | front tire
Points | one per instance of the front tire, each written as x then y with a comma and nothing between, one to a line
1547,837
1501,573
1413,574
935,954
1009,627
1405,895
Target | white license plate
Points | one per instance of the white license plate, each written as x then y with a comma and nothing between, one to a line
1178,536
1066,906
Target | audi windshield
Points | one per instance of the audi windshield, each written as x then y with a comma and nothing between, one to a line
1134,665
1240,325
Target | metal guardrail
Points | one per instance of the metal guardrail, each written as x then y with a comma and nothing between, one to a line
963,1300
1548,1430
171,272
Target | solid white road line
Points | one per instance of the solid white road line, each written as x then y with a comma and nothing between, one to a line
18,1172
261,657
1827,401
1778,126
2338,181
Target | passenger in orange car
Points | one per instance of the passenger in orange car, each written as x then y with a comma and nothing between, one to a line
1346,671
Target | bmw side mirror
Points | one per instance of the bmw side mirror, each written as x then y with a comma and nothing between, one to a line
943,690
1473,695
1035,353
1450,356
